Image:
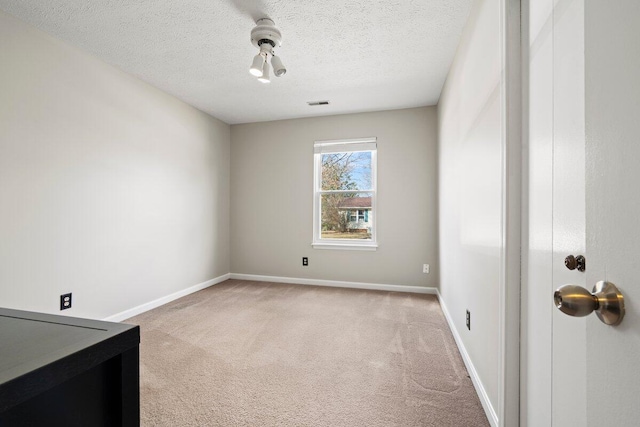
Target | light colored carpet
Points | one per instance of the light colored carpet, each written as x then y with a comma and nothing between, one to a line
265,354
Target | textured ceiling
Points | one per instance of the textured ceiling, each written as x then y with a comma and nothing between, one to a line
361,55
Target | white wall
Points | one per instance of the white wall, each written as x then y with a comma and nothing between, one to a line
471,190
272,198
109,188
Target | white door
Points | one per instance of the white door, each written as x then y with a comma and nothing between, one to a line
612,112
584,163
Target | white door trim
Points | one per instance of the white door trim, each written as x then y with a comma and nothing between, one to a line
512,170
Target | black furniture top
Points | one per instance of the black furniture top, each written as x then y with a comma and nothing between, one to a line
42,353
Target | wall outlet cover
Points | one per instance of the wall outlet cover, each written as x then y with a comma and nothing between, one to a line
65,301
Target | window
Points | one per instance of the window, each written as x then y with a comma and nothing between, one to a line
359,215
344,199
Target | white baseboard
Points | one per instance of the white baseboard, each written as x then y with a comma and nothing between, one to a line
163,300
482,392
336,283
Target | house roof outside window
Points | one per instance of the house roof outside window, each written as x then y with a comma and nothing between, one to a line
355,203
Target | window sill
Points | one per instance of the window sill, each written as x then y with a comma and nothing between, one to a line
346,246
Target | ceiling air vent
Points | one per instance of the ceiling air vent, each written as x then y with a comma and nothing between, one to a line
312,103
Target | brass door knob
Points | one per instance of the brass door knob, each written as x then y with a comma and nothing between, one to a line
606,300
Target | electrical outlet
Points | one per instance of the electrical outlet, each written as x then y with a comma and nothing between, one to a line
305,261
425,268
468,320
65,301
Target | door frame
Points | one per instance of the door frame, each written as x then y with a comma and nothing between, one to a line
514,199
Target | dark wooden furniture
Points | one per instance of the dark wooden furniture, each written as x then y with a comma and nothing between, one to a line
64,371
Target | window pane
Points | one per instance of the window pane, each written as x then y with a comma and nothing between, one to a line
346,216
346,171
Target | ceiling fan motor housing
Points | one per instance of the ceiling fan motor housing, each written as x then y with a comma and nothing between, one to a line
266,32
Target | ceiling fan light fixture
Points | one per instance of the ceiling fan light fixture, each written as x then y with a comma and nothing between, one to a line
256,67
265,36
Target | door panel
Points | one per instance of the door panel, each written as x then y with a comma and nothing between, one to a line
584,110
612,112
569,334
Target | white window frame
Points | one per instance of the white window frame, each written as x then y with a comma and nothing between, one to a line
341,146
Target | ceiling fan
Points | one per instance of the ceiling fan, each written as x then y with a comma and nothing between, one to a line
265,36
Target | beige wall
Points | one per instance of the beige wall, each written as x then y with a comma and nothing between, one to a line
272,188
109,188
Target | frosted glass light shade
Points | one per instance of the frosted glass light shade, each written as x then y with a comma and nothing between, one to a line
256,67
265,78
278,68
